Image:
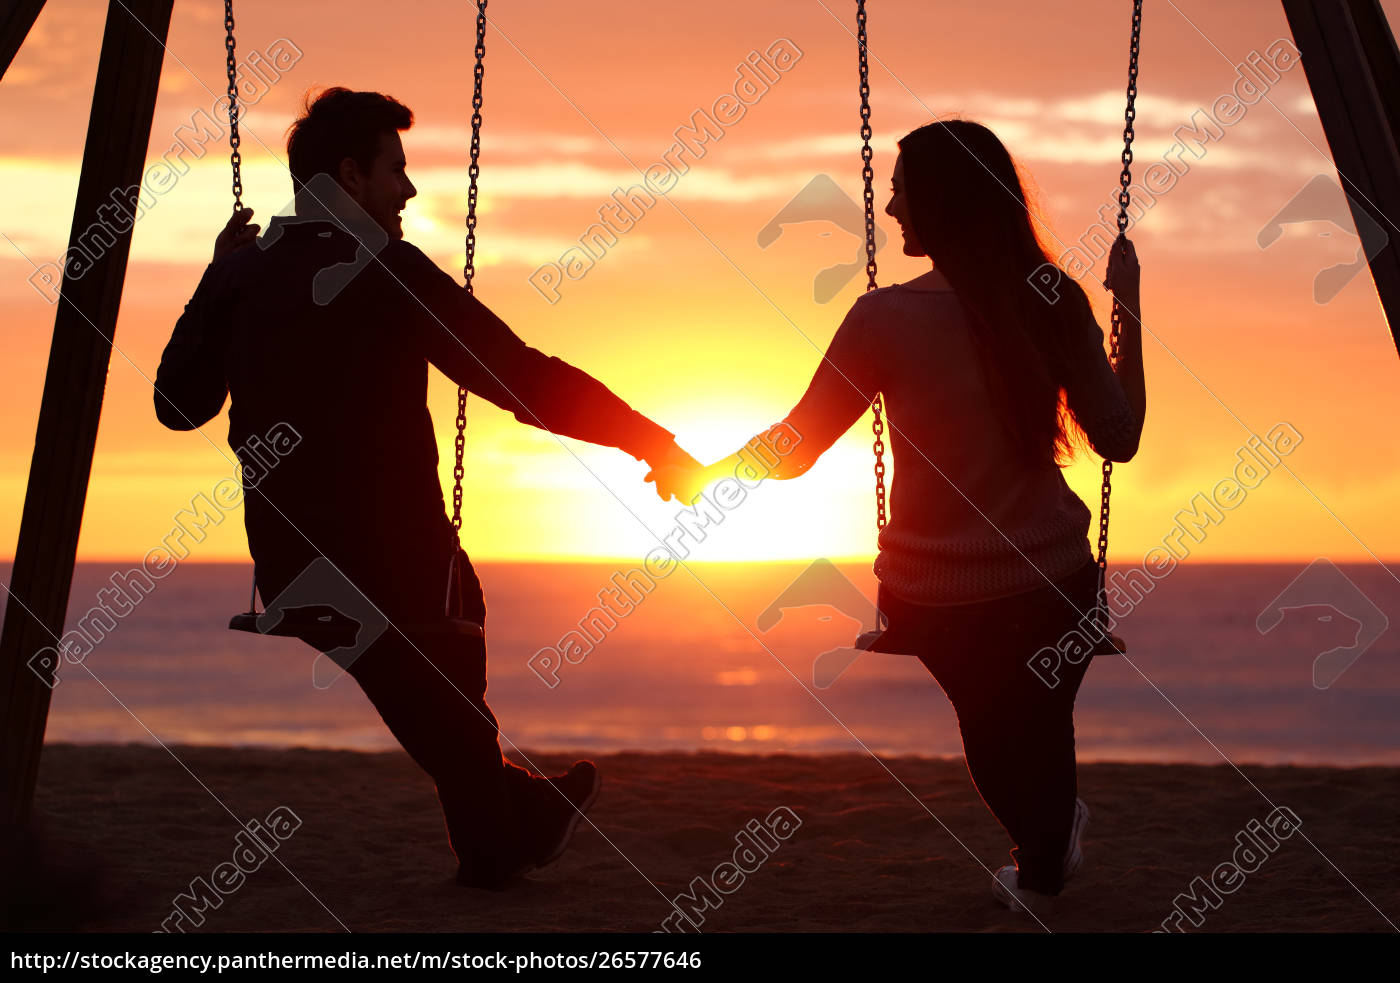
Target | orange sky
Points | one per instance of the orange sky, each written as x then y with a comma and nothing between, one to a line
687,317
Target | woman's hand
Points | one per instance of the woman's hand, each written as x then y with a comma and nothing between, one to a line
1124,275
236,235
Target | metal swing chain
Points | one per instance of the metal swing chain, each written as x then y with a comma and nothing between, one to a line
1116,329
867,172
233,139
236,159
469,269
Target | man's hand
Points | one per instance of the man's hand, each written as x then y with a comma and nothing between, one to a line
236,235
677,475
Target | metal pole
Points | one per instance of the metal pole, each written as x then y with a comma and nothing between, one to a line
14,28
1350,59
119,128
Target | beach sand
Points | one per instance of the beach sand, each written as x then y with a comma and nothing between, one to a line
127,828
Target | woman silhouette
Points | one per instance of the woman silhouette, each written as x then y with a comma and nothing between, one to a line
990,380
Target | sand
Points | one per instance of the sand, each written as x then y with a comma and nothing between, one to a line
128,828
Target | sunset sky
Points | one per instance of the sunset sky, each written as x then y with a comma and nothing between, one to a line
687,317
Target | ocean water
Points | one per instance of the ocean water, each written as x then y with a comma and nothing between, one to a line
687,668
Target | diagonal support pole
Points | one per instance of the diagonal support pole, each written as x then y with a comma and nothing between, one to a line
15,23
119,128
1353,69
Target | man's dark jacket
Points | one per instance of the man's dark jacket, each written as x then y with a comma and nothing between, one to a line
350,378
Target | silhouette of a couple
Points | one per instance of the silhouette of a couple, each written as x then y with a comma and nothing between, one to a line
990,382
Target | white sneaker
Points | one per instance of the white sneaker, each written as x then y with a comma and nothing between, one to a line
1004,889
1074,854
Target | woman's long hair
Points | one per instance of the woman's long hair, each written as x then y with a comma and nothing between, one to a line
969,212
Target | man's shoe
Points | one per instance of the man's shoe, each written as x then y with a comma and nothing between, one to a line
1074,854
561,807
1005,890
548,812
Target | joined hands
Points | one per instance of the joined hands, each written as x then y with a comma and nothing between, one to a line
677,475
681,477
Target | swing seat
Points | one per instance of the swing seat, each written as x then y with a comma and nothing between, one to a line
322,632
325,632
869,641
327,628
1114,645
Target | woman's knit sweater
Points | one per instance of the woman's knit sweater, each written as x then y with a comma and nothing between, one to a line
970,518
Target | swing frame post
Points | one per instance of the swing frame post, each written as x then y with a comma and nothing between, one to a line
1353,70
14,28
119,129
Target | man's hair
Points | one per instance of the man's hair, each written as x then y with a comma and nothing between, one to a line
340,123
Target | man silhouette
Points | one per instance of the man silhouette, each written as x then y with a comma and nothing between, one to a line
344,361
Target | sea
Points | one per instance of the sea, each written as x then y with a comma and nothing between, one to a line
1226,664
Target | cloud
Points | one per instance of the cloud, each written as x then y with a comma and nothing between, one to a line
808,147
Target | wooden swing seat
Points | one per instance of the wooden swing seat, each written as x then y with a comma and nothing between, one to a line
333,630
869,641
